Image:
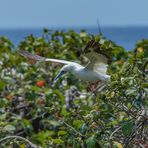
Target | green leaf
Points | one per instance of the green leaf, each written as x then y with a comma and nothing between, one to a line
42,136
119,145
77,123
58,141
9,128
2,84
131,91
83,128
60,95
36,89
22,145
91,142
127,127
64,111
54,122
61,133
83,34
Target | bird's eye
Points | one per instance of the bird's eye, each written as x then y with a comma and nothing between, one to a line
63,71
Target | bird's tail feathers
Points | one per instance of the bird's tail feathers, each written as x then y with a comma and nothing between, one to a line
31,56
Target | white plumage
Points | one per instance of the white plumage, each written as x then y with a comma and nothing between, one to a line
94,71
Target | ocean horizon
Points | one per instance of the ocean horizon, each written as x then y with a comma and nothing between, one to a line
126,36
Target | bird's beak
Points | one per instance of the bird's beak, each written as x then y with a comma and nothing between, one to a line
59,75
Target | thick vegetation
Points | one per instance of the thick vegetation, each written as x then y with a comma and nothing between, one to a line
35,112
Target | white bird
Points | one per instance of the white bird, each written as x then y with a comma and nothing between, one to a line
93,72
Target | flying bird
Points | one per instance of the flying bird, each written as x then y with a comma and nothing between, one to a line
94,71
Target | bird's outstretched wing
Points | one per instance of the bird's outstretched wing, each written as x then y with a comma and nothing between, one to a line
40,58
98,61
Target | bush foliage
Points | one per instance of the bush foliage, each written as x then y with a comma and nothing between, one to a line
65,114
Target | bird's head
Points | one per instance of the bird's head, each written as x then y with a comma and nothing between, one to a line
65,69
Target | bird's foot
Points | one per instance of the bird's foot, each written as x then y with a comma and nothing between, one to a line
93,86
31,61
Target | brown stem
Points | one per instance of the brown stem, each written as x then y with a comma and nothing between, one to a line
20,138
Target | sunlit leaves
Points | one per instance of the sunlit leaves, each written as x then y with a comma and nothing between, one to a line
34,107
61,133
119,145
77,124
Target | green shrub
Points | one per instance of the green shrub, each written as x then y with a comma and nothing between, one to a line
33,108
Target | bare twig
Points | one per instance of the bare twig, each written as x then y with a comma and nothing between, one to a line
20,138
139,125
74,129
111,136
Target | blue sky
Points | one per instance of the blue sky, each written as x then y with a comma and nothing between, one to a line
72,13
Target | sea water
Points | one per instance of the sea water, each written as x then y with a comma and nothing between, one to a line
123,36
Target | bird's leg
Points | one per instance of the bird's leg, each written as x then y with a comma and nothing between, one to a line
92,86
100,88
31,61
